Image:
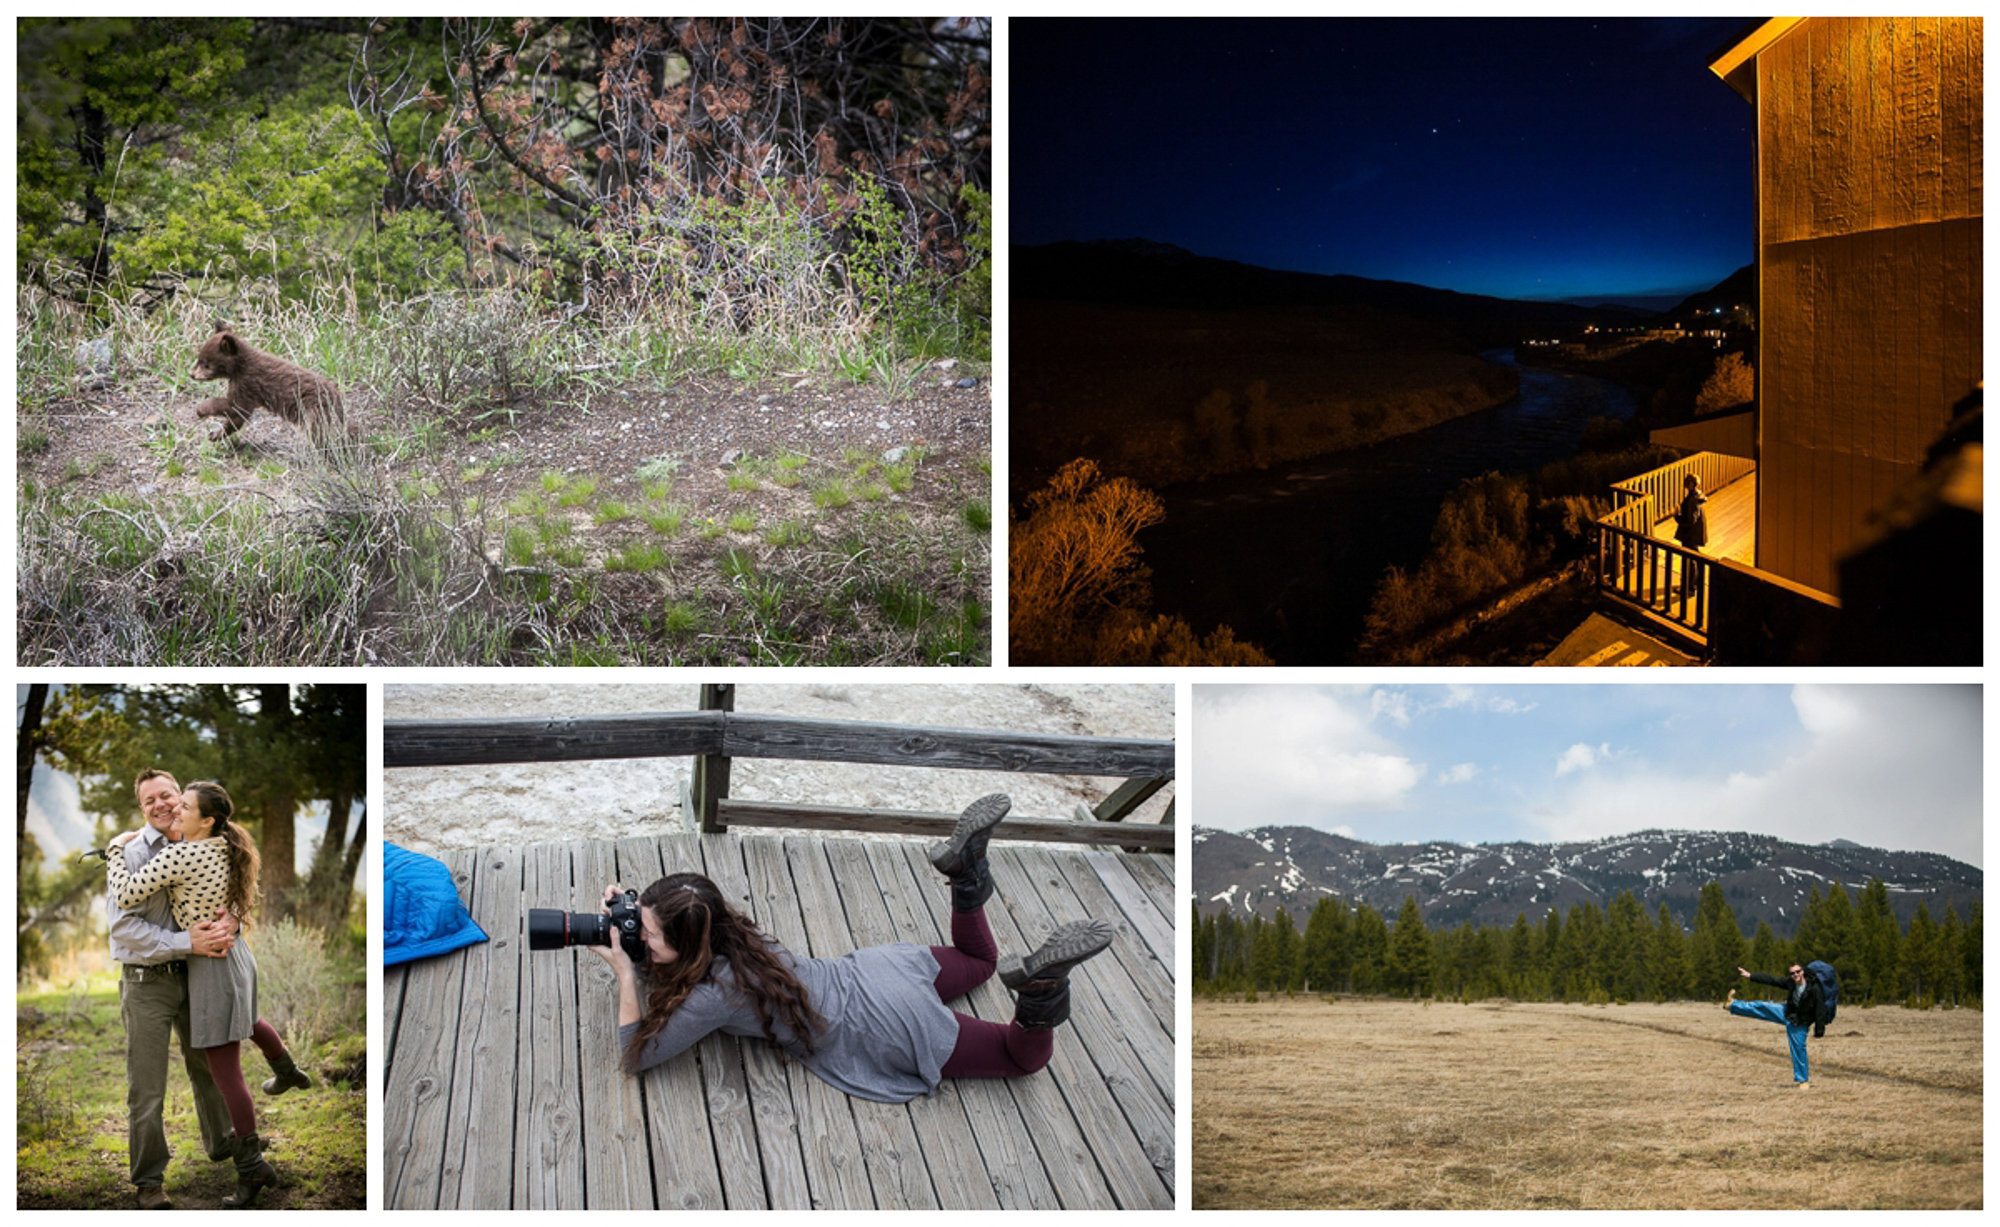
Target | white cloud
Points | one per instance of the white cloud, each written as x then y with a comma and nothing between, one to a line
1458,774
1278,755
1886,766
1580,757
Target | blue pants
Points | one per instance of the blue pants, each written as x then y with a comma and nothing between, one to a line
1774,1011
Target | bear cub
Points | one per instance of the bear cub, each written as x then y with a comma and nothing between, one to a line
258,380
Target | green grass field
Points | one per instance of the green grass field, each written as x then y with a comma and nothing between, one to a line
70,1114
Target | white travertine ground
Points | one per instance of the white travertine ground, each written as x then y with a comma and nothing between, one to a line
427,809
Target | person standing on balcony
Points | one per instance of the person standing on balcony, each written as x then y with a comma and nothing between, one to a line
1690,522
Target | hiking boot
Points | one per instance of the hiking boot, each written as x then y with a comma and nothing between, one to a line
1042,1005
1730,1000
289,1076
154,1197
1802,1086
254,1174
962,857
1069,945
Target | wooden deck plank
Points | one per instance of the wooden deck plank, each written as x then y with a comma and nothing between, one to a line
835,1170
731,1124
1732,522
951,1152
479,1167
616,1175
1006,1144
1128,1125
1149,924
549,1133
1148,976
1059,1131
827,875
1154,873
680,1127
780,1167
417,1103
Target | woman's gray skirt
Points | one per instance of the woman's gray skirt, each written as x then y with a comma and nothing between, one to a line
222,996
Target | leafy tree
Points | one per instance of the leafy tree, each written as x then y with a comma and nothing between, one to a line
105,104
1732,384
564,148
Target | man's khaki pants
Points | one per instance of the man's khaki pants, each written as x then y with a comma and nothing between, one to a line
154,1005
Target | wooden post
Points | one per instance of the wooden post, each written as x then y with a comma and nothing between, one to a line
711,771
1123,800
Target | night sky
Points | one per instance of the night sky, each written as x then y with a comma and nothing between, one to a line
1523,158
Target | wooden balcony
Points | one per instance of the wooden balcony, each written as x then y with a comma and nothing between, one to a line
1641,565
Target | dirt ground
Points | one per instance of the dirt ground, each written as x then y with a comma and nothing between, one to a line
119,439
1336,1103
432,808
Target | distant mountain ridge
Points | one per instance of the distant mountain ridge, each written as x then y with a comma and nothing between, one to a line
1765,879
1141,272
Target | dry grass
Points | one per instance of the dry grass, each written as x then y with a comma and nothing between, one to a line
1313,1103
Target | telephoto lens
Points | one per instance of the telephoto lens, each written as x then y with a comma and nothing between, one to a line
552,929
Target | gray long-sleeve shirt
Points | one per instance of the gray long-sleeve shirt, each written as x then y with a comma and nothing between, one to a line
144,934
887,1035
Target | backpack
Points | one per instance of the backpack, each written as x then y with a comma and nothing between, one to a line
1829,994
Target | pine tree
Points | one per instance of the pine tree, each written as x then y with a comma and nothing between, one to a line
1673,980
1410,951
1879,940
1767,953
1718,946
1919,963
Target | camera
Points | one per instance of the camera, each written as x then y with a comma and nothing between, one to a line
553,929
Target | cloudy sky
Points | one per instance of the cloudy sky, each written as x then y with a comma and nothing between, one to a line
1887,766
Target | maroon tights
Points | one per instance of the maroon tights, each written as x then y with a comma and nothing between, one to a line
984,1049
225,1066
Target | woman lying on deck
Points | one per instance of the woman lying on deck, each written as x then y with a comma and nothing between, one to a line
873,1023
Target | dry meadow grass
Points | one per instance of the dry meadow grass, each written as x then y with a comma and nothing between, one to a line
1317,1103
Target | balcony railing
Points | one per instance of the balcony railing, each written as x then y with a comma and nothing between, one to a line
1661,576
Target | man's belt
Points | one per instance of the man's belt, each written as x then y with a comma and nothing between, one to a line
142,972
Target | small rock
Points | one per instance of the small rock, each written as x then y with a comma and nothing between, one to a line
883,425
765,399
94,356
948,364
895,455
967,382
155,421
733,457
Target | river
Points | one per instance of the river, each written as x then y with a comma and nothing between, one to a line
1290,556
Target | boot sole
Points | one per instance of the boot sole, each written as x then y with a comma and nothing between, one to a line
981,816
1068,946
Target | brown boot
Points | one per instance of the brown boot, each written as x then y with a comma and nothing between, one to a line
154,1197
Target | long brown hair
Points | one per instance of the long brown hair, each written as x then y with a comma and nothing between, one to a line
701,927
212,801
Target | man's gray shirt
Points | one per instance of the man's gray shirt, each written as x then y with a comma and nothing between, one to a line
144,934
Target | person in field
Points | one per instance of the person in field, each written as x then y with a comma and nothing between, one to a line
1797,1013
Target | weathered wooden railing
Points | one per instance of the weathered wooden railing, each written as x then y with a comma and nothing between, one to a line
1662,577
717,735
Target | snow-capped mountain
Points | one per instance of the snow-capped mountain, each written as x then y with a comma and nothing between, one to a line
1764,878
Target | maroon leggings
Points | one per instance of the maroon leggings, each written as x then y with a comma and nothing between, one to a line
225,1066
984,1049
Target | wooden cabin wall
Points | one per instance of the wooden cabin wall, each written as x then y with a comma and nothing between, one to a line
1869,152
